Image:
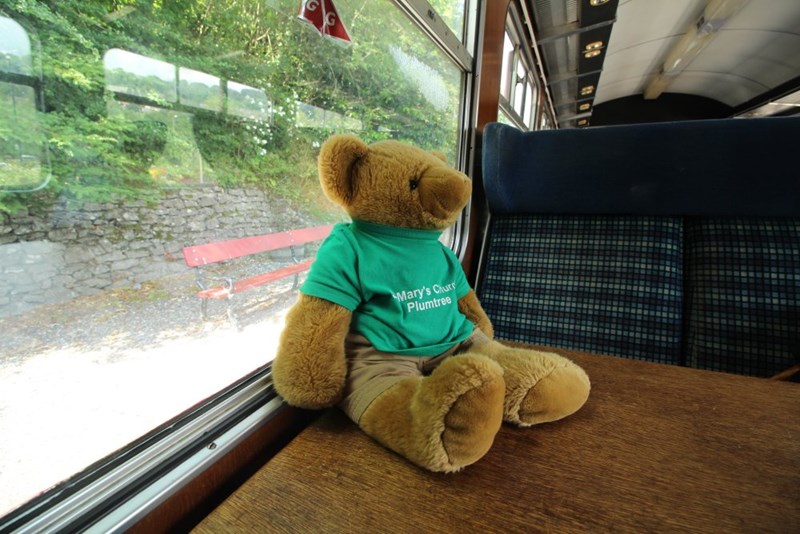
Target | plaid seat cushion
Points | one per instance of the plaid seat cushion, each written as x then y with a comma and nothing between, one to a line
743,294
607,284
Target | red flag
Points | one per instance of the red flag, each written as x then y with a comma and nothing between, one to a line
323,16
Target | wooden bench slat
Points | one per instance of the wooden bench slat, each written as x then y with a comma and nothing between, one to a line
220,292
198,255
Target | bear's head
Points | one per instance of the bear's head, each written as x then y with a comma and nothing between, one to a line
392,183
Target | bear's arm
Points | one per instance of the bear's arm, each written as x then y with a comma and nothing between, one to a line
470,306
310,366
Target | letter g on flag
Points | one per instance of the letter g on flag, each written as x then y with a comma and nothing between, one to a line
323,16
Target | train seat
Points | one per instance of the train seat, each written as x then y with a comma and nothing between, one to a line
671,242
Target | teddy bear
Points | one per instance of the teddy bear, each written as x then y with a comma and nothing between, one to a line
387,328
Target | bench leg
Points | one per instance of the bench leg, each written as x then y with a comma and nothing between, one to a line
204,309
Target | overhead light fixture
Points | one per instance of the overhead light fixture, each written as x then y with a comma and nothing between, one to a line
593,49
714,16
587,90
583,122
595,3
584,107
787,104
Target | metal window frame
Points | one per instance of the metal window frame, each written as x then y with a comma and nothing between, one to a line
164,458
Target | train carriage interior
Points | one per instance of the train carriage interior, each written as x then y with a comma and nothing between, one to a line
634,199
632,62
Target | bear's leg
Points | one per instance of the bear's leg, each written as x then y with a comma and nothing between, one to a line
540,386
442,422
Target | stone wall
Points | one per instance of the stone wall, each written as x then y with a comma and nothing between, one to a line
55,253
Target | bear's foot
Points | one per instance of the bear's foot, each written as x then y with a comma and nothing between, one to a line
540,386
443,422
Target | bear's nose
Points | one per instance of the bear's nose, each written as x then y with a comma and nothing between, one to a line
444,195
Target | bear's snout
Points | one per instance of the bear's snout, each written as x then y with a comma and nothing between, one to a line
445,195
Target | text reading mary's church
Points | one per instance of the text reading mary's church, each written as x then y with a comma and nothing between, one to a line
426,297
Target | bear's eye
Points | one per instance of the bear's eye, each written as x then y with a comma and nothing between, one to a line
413,184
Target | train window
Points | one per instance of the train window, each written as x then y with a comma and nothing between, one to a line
174,125
23,156
519,86
452,12
519,94
544,121
531,101
508,66
505,119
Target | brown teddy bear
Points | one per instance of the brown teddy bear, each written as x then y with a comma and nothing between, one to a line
387,327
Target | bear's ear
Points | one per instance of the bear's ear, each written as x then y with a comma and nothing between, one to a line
336,159
439,155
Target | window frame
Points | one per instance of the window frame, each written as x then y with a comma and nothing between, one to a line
124,481
513,83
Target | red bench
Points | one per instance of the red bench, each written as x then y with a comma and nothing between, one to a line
198,256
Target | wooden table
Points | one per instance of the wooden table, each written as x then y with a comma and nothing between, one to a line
656,448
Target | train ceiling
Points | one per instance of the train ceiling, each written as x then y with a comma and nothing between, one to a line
743,55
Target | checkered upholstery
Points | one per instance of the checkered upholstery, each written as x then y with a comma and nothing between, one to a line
605,284
620,240
743,294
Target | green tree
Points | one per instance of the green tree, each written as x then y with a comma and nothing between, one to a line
116,131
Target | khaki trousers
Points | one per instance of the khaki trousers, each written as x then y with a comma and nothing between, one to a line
370,372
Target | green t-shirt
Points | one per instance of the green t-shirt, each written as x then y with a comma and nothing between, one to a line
401,284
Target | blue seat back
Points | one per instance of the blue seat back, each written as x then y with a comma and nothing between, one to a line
672,242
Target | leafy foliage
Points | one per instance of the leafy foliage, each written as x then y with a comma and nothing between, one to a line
115,129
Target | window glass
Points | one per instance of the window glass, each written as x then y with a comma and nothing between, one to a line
504,118
520,88
544,120
519,93
15,48
248,102
528,113
137,75
174,124
199,90
508,66
23,156
452,13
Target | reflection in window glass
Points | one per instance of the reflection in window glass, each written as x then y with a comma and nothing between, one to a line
15,48
199,90
138,75
248,102
103,337
22,148
309,116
